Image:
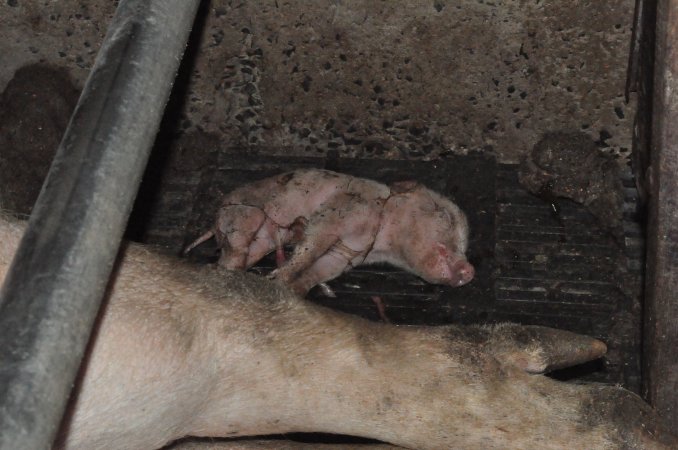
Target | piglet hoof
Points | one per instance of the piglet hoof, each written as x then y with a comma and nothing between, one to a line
327,290
273,275
281,276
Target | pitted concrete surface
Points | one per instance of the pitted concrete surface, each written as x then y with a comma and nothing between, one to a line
389,79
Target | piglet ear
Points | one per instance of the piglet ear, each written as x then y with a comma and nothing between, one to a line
402,187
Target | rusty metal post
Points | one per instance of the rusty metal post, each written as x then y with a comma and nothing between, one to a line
660,384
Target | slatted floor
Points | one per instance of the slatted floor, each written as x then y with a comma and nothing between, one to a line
532,266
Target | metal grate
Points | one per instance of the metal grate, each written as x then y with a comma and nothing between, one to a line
532,266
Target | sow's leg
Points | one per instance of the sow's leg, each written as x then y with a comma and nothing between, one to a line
249,444
184,350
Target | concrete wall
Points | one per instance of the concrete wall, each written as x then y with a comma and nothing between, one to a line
397,79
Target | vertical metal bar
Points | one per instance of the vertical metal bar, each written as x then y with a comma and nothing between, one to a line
641,72
633,69
54,287
661,304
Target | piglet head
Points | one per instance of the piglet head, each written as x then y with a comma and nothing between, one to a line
446,266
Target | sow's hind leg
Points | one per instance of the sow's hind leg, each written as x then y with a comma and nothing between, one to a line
237,226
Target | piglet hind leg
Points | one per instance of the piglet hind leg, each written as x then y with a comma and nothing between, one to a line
237,226
342,231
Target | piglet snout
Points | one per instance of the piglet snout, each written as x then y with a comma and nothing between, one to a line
462,273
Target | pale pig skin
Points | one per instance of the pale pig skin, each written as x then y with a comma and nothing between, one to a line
202,351
338,222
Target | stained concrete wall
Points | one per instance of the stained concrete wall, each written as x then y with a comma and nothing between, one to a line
399,79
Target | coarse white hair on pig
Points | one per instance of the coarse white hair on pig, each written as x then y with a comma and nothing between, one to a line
186,350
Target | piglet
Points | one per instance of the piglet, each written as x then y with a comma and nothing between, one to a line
337,222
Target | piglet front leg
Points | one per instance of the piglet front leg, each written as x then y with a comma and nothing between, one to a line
327,266
336,236
305,255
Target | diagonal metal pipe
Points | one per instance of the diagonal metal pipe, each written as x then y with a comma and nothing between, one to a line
54,287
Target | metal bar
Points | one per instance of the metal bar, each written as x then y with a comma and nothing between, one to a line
54,286
660,377
633,68
642,83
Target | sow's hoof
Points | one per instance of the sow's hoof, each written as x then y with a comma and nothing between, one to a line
638,425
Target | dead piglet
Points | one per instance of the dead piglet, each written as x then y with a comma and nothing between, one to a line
424,233
338,222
